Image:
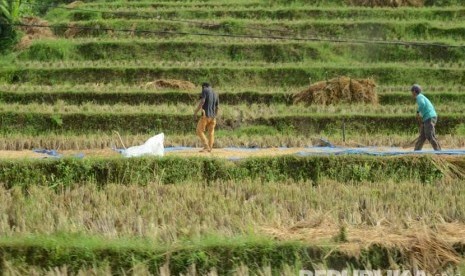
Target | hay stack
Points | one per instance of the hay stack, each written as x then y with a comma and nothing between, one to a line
171,84
339,90
32,33
74,4
419,246
387,3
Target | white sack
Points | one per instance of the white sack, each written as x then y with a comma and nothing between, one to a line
153,146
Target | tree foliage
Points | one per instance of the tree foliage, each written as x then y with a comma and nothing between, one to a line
10,10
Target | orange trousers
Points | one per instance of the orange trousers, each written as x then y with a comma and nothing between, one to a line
209,124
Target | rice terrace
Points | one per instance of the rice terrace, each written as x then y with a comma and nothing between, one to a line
214,137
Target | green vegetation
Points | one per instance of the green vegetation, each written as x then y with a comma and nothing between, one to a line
252,75
175,170
207,223
9,13
107,215
226,50
445,101
364,29
257,12
133,123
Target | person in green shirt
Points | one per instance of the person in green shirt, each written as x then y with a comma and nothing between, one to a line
427,114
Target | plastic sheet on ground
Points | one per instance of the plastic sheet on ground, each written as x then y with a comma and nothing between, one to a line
376,151
52,153
152,147
170,149
55,154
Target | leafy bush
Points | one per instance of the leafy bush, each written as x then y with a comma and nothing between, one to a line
8,36
42,6
9,13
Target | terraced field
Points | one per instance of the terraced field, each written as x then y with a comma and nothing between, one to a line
276,214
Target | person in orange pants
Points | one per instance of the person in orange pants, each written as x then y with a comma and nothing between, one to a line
209,105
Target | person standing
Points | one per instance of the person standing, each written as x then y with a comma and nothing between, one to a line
209,105
426,114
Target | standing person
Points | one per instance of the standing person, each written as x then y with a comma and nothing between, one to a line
427,114
209,105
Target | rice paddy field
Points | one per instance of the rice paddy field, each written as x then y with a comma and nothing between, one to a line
85,71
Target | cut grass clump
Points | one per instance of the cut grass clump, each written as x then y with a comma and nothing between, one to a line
33,33
339,90
171,84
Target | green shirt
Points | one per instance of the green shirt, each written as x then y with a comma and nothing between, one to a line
425,107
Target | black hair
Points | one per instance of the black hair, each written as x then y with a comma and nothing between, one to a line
205,84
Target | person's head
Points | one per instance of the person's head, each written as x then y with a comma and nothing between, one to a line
416,90
205,85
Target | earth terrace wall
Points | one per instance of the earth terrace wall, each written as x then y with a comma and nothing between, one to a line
280,76
384,30
274,13
177,97
234,50
37,123
176,170
223,256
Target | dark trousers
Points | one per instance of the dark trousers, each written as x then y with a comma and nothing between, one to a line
428,132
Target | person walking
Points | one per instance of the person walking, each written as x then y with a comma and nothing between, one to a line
426,114
209,105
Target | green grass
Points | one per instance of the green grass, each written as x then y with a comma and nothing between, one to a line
111,215
77,252
35,123
275,13
222,75
67,172
219,257
246,136
364,29
83,224
25,88
444,101
241,112
260,3
222,50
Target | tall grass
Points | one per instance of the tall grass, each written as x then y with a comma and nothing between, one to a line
387,29
20,88
152,51
262,137
168,213
142,269
277,12
221,74
242,112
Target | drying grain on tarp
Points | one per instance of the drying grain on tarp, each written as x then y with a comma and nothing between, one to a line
387,3
32,33
171,84
339,90
420,246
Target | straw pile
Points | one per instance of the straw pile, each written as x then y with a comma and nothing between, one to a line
74,4
339,90
171,84
32,33
421,247
387,3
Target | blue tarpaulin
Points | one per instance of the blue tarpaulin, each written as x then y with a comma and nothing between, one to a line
376,151
55,154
